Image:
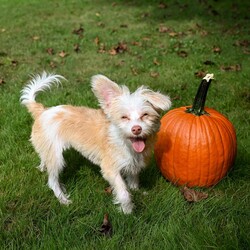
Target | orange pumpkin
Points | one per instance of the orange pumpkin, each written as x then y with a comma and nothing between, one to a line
196,146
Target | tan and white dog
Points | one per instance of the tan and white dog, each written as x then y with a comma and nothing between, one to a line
119,137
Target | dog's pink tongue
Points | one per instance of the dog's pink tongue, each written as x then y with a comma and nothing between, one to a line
138,145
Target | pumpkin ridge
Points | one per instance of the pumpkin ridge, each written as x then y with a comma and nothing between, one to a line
223,141
199,124
190,123
230,139
211,124
163,132
180,124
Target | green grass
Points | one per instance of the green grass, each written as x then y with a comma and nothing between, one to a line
30,215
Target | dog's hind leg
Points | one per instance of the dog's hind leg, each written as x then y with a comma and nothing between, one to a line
54,167
42,166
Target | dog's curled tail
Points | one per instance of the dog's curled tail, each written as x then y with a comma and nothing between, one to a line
37,84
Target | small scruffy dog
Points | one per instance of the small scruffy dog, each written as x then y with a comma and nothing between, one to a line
119,137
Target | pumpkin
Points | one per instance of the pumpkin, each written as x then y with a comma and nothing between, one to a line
196,145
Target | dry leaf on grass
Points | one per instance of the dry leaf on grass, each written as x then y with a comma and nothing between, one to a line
97,40
63,54
208,62
35,38
217,49
154,74
242,43
106,227
78,31
119,48
52,65
200,74
14,63
192,195
77,48
182,54
177,97
156,62
50,51
235,67
134,71
162,6
2,81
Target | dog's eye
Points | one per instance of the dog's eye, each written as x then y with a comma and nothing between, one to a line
144,115
125,118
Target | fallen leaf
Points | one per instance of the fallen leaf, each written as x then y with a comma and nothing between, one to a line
118,49
164,29
52,65
50,51
101,24
145,15
216,49
162,6
173,34
102,48
63,54
106,227
2,81
154,74
192,195
182,53
134,71
124,26
177,97
108,190
77,48
200,74
97,40
156,62
112,52
208,62
136,44
35,38
204,33
146,39
246,51
236,67
14,63
78,31
242,43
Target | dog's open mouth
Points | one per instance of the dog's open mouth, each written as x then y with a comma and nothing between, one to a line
138,143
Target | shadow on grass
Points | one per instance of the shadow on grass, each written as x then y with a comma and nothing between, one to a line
75,162
212,10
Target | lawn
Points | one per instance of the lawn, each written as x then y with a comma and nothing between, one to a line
166,45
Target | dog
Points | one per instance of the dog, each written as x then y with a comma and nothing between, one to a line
119,137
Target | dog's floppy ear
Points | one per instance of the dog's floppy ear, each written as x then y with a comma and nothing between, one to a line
157,100
105,90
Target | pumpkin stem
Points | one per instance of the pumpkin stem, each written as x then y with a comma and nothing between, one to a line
200,98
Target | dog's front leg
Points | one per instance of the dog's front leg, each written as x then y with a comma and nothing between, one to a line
122,196
133,181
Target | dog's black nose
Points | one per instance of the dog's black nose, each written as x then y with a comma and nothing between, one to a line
136,130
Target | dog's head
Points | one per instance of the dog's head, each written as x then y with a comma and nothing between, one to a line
136,115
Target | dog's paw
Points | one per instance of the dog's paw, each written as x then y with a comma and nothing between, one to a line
42,167
133,186
63,199
127,208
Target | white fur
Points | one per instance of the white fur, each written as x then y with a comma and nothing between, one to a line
119,137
